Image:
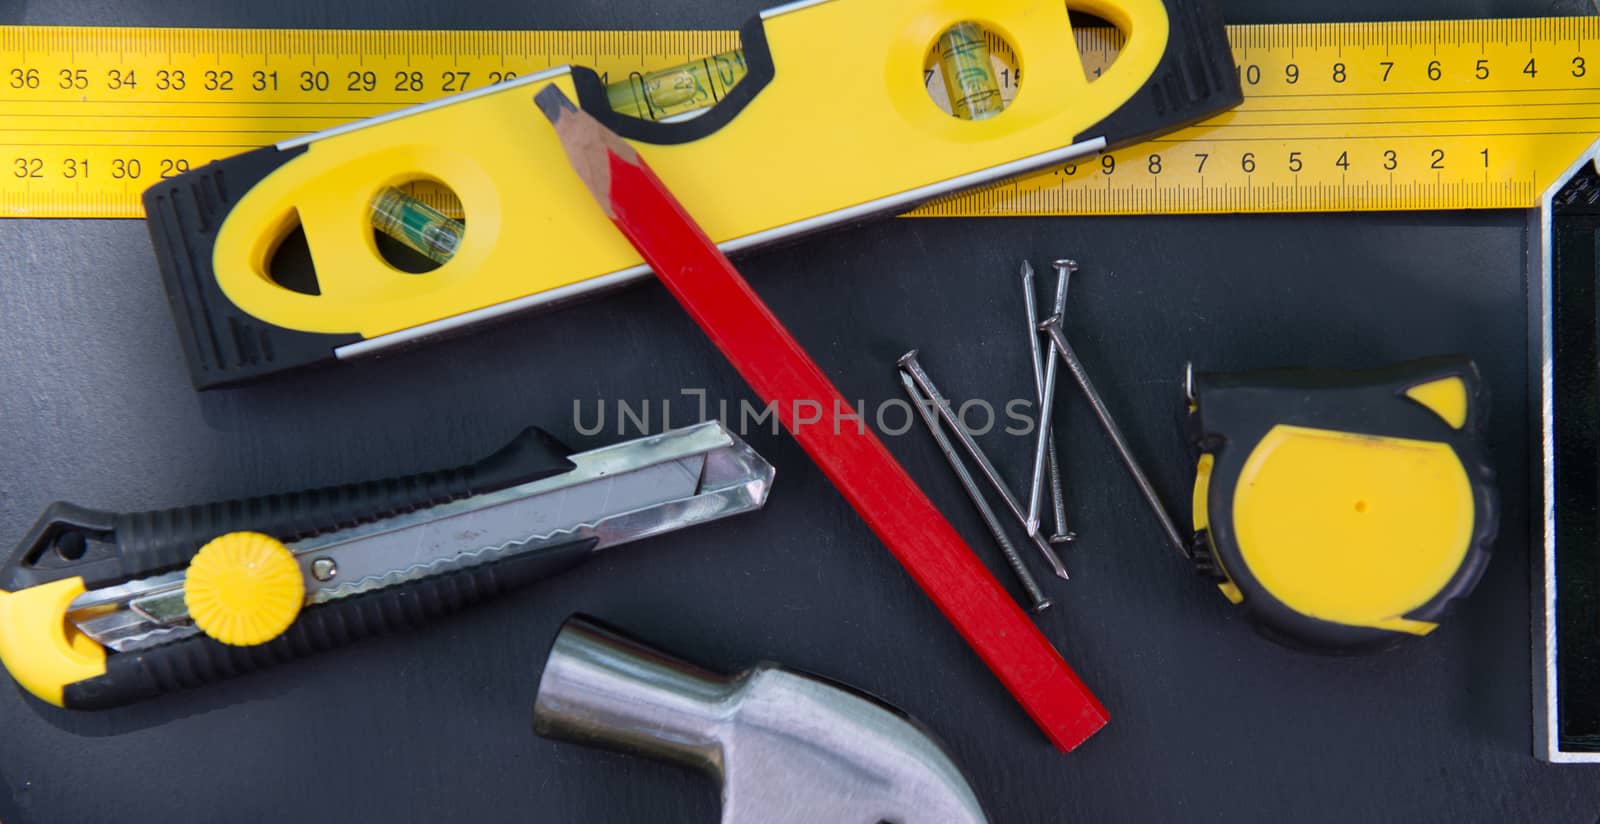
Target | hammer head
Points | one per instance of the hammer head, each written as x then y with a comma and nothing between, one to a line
802,749
788,748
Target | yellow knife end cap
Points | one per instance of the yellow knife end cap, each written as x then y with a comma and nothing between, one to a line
244,588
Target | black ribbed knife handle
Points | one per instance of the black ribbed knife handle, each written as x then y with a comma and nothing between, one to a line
136,676
108,548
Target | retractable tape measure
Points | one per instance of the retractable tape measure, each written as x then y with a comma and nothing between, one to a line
1337,117
1343,510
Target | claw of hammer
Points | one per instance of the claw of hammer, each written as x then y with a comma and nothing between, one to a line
787,748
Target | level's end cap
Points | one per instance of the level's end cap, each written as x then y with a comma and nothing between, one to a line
244,588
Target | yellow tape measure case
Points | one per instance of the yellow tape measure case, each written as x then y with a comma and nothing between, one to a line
1344,510
832,125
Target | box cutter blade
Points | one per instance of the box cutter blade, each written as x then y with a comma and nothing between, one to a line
609,496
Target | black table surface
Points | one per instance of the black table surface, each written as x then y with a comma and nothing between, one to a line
1208,720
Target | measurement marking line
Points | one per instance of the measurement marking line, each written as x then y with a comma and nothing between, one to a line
1419,91
98,115
1354,125
1255,125
1413,106
1362,137
250,101
140,146
1240,111
4,129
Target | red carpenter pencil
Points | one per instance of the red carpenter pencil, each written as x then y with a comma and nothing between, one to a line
779,370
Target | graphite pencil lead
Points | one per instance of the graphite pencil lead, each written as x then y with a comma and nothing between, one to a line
553,103
589,146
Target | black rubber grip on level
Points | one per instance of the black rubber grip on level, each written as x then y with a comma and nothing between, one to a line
1195,79
107,548
136,676
222,343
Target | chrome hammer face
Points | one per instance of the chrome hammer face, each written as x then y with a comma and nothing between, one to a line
787,748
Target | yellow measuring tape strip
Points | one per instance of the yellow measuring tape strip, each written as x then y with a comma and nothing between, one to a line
1337,117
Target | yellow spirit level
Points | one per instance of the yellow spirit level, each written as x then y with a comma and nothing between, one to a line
831,124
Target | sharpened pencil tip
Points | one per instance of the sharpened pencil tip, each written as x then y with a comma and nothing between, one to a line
554,103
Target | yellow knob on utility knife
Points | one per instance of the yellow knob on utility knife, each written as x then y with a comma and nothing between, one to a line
244,588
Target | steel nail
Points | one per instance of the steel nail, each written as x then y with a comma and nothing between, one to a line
1058,502
1041,445
1058,506
918,402
1058,339
1064,269
1032,308
909,363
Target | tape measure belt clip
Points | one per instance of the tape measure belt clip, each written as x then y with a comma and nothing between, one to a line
1344,512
